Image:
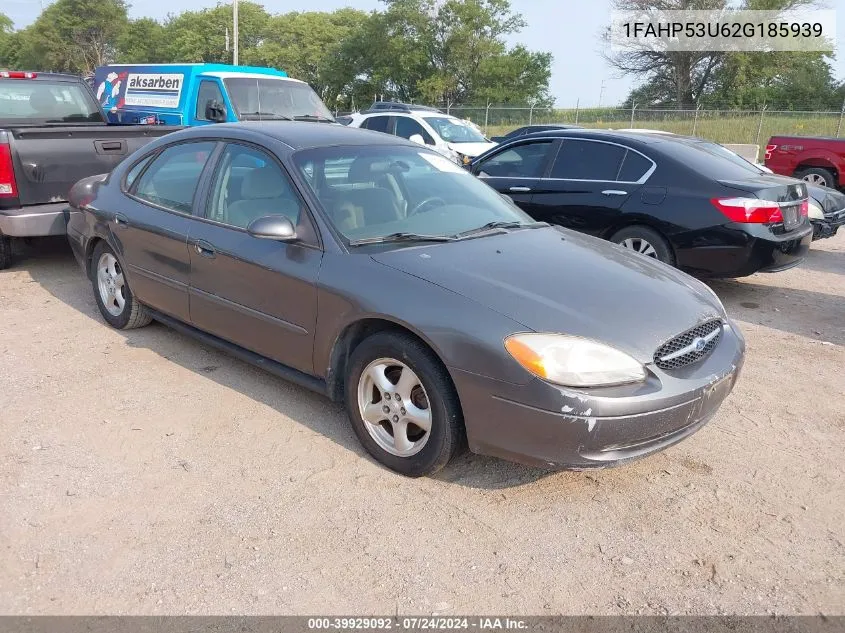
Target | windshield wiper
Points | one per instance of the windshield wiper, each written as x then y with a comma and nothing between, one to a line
402,237
498,224
247,116
313,117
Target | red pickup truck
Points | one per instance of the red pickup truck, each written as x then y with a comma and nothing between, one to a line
818,160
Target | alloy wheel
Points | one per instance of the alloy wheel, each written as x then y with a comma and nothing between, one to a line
111,284
816,179
394,407
639,245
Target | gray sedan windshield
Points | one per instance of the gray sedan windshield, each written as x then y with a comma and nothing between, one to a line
371,192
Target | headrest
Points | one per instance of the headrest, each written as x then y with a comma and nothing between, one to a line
42,101
263,183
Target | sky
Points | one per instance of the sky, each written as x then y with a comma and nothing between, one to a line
569,29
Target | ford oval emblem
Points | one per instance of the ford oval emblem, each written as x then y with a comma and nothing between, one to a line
699,344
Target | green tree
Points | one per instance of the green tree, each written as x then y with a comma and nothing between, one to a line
200,36
678,77
725,80
73,35
306,45
7,42
143,41
780,80
441,51
518,76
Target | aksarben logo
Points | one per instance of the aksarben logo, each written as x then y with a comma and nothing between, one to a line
165,83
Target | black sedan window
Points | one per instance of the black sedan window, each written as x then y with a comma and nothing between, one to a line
634,167
522,161
372,191
588,160
172,178
708,159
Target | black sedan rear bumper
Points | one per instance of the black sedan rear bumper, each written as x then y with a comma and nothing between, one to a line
744,249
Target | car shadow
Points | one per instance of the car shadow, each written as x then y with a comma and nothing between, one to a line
825,261
51,264
815,315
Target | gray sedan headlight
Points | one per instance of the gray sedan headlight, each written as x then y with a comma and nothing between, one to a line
573,361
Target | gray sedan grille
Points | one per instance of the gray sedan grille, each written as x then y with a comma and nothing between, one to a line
689,347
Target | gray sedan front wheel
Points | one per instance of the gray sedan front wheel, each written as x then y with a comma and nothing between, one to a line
115,300
402,404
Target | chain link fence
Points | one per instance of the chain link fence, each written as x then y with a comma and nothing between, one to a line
722,126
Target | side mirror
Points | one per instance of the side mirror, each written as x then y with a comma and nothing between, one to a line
417,138
273,227
215,111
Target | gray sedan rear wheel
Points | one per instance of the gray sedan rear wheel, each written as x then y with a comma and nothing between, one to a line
402,404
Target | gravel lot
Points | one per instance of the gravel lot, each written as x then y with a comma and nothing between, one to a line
142,472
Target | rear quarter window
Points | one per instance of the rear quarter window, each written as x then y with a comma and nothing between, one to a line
634,167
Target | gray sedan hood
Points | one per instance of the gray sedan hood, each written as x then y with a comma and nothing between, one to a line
554,280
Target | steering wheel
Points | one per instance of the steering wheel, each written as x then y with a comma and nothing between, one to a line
428,201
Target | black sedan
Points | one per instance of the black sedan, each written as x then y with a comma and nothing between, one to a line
378,272
681,200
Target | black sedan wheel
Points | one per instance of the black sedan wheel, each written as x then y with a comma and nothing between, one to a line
645,241
402,404
115,300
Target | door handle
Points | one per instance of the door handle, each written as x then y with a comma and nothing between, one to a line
614,192
204,248
520,189
120,220
110,147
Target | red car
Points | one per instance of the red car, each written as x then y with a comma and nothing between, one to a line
818,160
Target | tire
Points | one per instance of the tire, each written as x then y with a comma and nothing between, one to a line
646,241
5,252
817,176
388,356
122,311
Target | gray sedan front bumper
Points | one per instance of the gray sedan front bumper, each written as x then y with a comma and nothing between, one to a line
544,425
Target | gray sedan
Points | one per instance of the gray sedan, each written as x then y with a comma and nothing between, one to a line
379,273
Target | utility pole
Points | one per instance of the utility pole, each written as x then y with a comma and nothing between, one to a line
601,92
235,29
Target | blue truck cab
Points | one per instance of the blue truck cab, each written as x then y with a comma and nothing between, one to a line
201,94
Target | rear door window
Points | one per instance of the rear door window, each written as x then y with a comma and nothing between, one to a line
377,123
527,160
588,160
172,178
406,127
